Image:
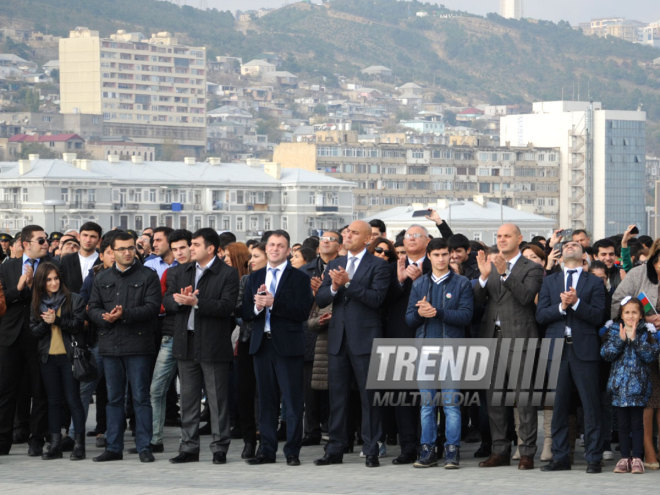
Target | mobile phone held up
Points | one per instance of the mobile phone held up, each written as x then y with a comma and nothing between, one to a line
421,213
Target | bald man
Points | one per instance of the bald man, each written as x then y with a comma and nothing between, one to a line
356,285
507,286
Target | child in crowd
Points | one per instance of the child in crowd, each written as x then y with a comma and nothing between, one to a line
631,347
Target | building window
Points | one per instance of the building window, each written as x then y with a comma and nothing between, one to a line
25,195
65,195
183,222
285,223
226,223
138,223
267,223
239,224
153,221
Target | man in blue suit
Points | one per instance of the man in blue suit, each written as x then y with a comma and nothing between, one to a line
571,305
277,299
356,284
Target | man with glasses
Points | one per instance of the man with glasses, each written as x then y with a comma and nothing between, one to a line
406,270
316,400
18,347
124,306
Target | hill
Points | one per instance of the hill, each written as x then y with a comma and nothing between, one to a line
463,58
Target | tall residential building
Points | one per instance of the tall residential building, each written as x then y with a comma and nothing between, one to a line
152,90
602,178
395,174
511,9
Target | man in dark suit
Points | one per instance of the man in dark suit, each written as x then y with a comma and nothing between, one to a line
405,272
18,347
202,294
357,285
277,299
507,286
76,266
571,305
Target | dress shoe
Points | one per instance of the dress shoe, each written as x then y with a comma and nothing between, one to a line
557,466
219,457
310,440
67,444
248,451
108,455
260,459
496,460
595,468
329,459
372,461
184,457
292,460
156,448
404,459
526,462
146,456
483,451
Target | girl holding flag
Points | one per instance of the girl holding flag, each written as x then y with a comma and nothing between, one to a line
642,283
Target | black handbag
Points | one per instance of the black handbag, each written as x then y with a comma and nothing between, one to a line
84,366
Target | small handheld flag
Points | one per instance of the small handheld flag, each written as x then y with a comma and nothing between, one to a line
646,303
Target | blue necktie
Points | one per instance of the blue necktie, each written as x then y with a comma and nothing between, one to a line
271,288
569,279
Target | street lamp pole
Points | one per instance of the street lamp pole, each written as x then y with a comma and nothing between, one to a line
54,203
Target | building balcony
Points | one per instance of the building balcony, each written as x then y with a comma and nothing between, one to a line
327,208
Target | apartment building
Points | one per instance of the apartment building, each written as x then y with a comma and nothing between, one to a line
152,90
394,174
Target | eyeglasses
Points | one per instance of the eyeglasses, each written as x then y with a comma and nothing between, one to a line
328,239
414,236
41,241
380,250
124,249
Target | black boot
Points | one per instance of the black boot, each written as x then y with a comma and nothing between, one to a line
55,448
78,452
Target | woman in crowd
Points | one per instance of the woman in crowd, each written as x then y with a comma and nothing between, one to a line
302,256
56,315
240,258
383,248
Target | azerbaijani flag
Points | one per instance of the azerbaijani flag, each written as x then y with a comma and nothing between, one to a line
647,304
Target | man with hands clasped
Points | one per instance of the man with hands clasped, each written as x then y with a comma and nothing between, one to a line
571,305
202,294
356,285
507,286
277,299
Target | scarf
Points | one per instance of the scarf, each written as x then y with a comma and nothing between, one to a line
52,302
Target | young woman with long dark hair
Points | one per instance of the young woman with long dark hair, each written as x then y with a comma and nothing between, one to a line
56,315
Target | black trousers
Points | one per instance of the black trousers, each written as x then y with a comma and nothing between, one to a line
62,388
631,431
16,360
247,391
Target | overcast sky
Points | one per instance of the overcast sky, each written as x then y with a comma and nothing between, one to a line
574,11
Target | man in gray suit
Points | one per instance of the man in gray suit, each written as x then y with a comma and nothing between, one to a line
507,286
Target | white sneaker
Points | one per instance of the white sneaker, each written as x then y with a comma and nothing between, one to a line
608,455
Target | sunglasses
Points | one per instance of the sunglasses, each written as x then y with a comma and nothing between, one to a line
41,241
380,250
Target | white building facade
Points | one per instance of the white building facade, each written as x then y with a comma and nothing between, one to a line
245,198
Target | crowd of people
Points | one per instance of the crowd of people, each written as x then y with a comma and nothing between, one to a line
271,341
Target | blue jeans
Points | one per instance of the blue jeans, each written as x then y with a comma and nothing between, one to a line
137,371
87,388
160,383
429,418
